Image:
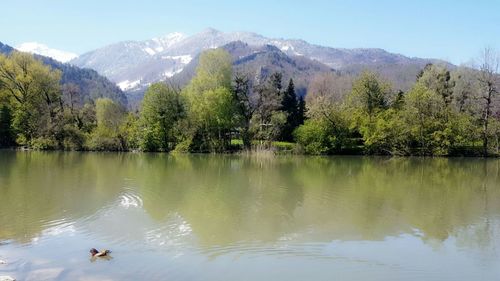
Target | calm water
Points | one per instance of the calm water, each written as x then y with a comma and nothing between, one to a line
206,217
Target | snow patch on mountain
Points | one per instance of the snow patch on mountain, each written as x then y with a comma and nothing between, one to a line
286,47
127,85
44,50
169,40
149,51
185,59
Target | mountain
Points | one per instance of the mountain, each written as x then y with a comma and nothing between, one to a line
135,64
5,49
90,83
259,62
43,50
131,64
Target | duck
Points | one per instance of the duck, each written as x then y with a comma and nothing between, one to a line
95,253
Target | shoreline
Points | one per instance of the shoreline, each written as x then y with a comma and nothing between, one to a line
266,152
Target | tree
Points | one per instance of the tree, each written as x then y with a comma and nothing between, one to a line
369,94
71,96
488,80
326,130
438,79
289,106
326,91
161,109
323,136
433,129
465,90
245,107
269,118
294,115
36,97
109,117
210,105
369,97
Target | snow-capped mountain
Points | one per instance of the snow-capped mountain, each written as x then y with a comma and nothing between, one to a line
135,64
44,50
131,64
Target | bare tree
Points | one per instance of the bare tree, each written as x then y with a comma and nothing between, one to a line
465,90
489,79
327,91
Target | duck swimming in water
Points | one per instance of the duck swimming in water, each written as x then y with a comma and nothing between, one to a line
96,253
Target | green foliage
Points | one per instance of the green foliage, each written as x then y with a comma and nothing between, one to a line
107,135
161,109
325,133
438,79
42,143
444,113
130,132
388,134
34,93
210,105
214,71
369,94
424,114
316,137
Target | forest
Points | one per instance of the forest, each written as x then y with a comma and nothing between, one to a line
447,112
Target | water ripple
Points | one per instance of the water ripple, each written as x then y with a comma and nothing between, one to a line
129,199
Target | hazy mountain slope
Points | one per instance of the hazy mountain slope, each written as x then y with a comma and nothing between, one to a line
135,64
91,84
260,62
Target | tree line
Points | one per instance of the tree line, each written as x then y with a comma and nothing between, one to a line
446,112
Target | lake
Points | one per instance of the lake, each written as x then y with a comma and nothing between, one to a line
230,217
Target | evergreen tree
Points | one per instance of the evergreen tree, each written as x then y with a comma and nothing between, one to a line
269,117
290,106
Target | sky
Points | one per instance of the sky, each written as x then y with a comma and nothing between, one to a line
452,30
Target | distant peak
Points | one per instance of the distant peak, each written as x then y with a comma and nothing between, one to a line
174,35
44,50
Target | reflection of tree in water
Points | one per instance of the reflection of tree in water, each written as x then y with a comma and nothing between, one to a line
388,197
40,190
227,199
224,198
486,230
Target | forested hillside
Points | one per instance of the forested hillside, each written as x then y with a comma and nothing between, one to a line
88,82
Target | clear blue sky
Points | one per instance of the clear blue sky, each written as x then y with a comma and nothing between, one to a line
446,29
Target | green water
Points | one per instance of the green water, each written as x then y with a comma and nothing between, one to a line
221,217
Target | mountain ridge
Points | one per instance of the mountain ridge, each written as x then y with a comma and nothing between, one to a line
136,64
44,50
